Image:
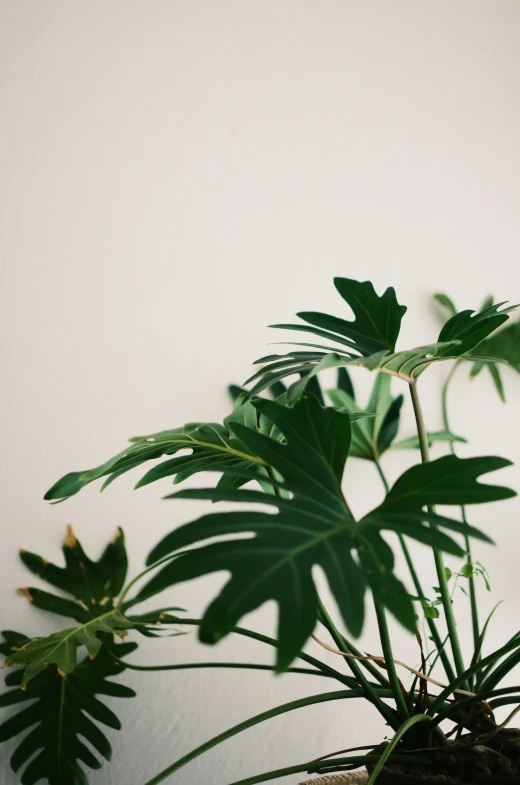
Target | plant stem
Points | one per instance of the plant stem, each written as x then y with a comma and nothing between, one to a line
384,635
374,697
257,636
192,665
472,589
265,715
438,557
441,649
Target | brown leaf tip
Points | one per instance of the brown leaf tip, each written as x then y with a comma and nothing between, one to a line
23,591
70,538
116,536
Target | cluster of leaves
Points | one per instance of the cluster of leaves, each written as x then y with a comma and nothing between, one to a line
503,345
64,710
296,447
369,340
467,571
288,455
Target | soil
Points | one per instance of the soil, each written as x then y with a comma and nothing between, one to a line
468,763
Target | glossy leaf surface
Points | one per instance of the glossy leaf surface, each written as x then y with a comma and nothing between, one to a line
313,526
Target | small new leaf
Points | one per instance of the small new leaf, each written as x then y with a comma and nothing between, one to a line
373,435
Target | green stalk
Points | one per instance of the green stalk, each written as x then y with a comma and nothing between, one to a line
472,589
265,715
438,557
257,636
370,693
384,635
441,649
183,666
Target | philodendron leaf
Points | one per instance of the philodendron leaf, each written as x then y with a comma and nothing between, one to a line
62,713
371,436
447,480
313,526
93,584
213,448
61,648
504,344
446,302
373,347
470,328
376,324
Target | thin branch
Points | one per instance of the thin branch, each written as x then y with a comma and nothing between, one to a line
381,661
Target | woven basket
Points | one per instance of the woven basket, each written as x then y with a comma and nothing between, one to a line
347,778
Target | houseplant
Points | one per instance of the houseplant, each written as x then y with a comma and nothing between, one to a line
288,452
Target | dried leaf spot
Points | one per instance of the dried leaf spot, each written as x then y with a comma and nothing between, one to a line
105,599
23,591
61,672
70,540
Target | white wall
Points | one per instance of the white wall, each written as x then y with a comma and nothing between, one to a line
175,176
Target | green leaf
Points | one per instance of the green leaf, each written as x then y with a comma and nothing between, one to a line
94,585
504,345
470,328
344,382
62,714
373,346
445,302
371,437
60,648
213,448
447,480
376,324
431,612
467,570
312,526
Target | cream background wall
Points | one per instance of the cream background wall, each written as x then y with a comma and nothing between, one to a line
175,175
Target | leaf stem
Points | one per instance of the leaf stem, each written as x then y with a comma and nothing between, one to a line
249,723
138,577
193,665
438,557
388,714
257,636
384,635
439,645
472,588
